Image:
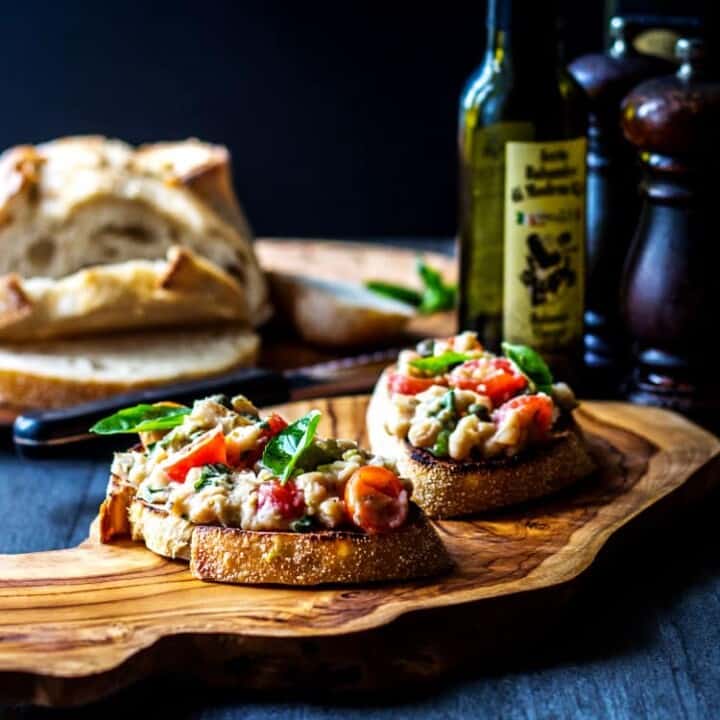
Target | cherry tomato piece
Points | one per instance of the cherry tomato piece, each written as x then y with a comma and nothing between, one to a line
247,458
208,449
375,499
288,500
497,378
408,385
535,412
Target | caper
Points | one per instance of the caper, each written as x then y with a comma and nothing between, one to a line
480,410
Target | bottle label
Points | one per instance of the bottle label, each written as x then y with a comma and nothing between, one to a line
544,274
487,197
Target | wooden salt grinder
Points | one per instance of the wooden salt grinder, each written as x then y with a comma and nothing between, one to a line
671,283
613,203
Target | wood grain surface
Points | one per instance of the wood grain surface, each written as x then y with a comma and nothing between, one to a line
76,624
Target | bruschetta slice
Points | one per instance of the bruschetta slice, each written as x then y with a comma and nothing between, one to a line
474,431
252,499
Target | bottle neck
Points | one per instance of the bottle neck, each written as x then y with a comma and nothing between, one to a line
523,35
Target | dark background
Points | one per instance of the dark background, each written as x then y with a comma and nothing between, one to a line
340,115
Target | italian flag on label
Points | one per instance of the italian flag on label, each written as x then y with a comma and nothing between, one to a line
521,219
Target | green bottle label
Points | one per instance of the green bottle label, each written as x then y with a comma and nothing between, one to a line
486,154
544,254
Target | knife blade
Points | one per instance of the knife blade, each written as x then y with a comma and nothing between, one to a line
40,433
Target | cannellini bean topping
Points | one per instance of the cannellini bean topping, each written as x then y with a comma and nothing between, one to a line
470,432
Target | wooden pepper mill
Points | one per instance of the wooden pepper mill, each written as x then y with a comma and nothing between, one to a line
671,284
613,203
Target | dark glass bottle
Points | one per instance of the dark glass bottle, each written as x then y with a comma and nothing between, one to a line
522,186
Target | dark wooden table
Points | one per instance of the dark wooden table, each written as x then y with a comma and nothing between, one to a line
640,637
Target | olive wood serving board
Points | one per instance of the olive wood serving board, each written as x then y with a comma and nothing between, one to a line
77,624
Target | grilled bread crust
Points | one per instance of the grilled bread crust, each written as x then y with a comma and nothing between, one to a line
448,488
232,555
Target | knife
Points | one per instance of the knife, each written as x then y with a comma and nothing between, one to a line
45,432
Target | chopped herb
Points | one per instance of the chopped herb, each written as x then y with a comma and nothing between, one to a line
213,474
437,295
303,524
441,448
282,454
395,292
439,364
141,418
531,364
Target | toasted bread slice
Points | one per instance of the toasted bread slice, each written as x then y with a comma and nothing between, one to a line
56,373
232,555
163,533
448,488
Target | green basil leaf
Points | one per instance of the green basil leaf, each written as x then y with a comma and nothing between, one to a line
141,418
439,364
532,364
437,295
396,292
283,452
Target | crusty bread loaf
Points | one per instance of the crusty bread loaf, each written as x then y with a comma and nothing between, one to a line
55,373
338,314
184,290
81,201
448,488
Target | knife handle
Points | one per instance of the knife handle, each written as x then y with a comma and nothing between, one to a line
41,433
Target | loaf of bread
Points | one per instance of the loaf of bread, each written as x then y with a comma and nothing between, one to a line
184,290
83,201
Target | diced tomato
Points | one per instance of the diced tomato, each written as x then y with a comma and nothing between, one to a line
275,423
535,413
247,458
375,499
208,449
498,378
408,385
287,499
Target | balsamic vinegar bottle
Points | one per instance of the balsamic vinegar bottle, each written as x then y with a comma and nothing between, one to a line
522,188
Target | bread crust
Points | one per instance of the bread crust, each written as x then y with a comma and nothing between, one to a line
230,555
165,534
448,488
23,387
184,290
86,200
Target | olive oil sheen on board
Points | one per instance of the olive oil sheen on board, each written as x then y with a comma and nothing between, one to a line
522,189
